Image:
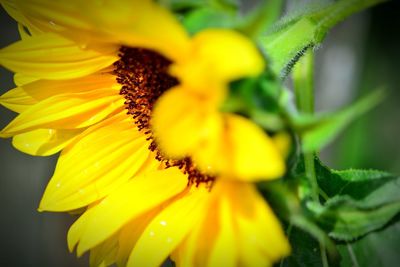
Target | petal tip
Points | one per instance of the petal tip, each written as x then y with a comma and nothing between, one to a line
43,206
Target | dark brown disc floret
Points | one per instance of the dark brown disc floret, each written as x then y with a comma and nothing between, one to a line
143,75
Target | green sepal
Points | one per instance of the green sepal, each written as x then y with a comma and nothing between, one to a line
294,36
285,47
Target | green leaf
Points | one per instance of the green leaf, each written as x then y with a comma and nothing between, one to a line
346,219
294,36
356,201
316,131
368,188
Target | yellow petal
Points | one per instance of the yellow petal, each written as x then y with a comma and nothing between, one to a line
131,233
224,250
238,229
136,197
21,98
17,100
218,56
283,142
22,79
22,32
195,248
242,151
44,142
96,163
255,155
67,111
168,229
142,24
184,254
54,15
181,121
258,227
259,237
138,23
12,9
104,254
50,56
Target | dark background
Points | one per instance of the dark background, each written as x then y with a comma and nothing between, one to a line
357,57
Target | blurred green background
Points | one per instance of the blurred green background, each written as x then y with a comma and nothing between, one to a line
358,56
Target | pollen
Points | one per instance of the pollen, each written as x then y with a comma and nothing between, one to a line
143,75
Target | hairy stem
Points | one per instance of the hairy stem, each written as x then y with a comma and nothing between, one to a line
303,78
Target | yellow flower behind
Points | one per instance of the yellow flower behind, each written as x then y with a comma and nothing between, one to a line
80,67
219,143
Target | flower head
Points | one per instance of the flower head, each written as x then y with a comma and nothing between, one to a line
129,99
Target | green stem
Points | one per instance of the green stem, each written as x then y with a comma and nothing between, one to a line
310,173
303,79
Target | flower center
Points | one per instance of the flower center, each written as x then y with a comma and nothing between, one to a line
143,75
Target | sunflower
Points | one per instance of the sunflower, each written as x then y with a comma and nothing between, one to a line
129,99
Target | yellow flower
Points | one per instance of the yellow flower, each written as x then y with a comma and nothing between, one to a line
88,74
204,66
218,142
